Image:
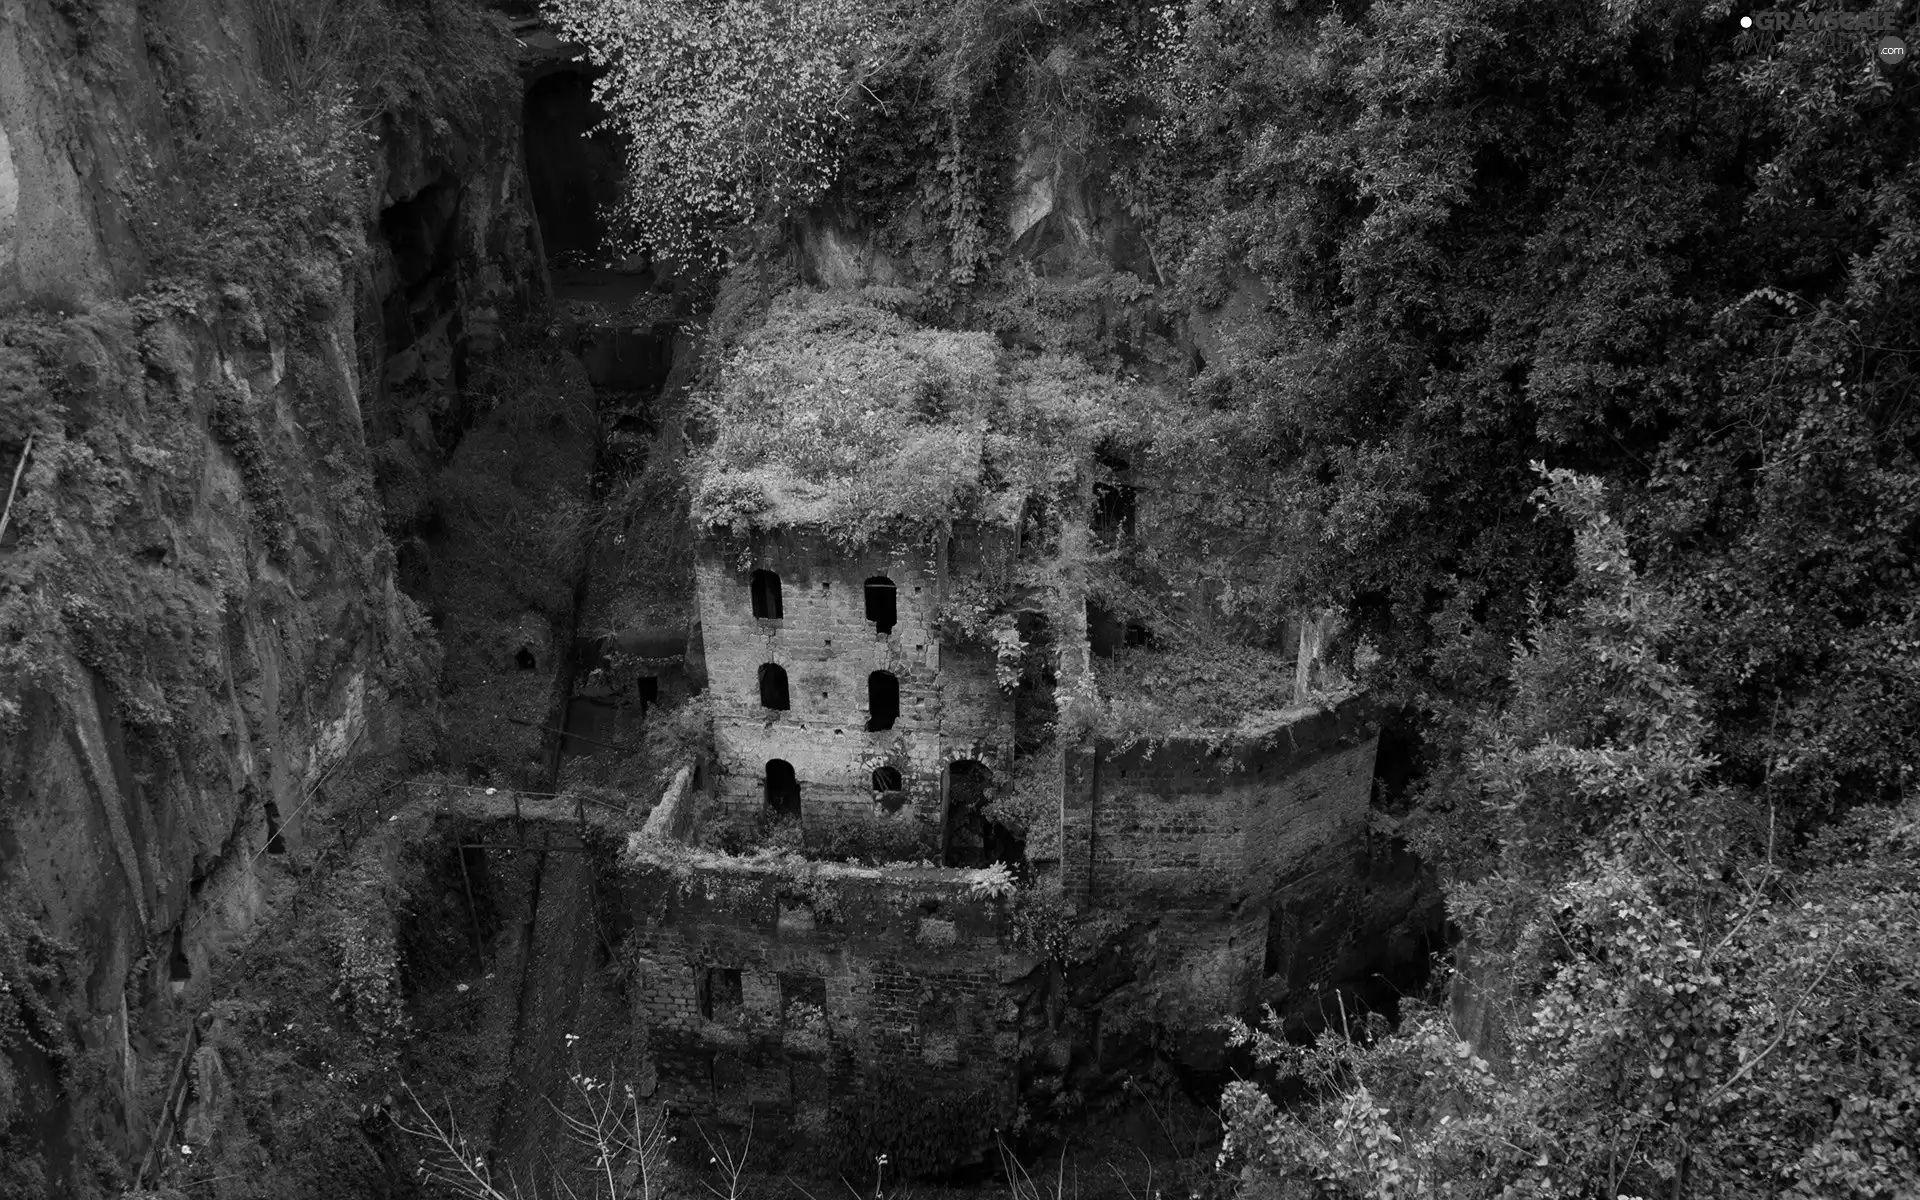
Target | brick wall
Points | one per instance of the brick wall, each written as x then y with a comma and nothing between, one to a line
950,704
1215,845
911,974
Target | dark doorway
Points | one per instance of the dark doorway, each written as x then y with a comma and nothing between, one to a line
773,686
783,788
766,595
882,605
972,840
883,700
523,659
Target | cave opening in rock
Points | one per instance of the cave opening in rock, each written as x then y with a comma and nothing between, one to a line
882,607
1277,941
276,842
572,172
773,687
782,788
179,966
883,701
766,595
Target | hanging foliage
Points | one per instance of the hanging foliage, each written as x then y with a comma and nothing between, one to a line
731,111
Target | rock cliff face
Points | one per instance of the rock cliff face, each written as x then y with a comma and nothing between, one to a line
198,609
306,483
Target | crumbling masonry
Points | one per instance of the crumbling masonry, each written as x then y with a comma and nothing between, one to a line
788,989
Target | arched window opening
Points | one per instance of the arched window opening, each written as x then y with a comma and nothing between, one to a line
883,700
882,608
523,658
766,595
783,788
886,779
773,687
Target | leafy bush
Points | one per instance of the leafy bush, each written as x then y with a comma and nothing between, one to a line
836,414
1691,1006
839,415
731,112
993,882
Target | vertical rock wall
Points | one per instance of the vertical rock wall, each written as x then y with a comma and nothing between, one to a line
198,611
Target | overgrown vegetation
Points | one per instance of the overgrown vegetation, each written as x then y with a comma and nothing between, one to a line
839,415
1410,255
267,187
37,1051
733,113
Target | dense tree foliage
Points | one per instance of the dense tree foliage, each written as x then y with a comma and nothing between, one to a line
1573,351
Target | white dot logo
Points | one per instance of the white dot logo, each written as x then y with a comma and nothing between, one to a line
1746,22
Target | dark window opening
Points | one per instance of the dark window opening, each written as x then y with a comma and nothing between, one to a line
766,595
773,686
1113,507
523,658
276,843
972,839
1106,631
649,689
802,989
1138,634
179,966
783,788
718,990
882,608
883,700
889,789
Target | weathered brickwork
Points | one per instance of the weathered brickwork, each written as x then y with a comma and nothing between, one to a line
1213,844
757,991
951,706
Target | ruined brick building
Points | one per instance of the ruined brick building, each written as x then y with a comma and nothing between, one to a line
835,698
1224,865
